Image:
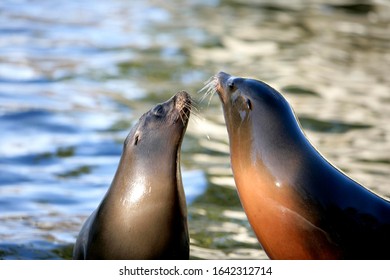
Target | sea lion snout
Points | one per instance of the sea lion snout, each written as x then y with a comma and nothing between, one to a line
183,104
223,77
223,80
182,98
178,107
226,85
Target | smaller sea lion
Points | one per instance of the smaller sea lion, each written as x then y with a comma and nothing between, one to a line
143,214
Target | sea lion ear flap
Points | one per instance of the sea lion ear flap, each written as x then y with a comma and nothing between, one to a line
249,104
136,139
132,139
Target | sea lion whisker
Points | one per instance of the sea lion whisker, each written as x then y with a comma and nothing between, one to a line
186,111
209,89
193,107
181,117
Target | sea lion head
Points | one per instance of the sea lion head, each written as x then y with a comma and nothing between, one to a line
252,107
243,97
160,130
262,127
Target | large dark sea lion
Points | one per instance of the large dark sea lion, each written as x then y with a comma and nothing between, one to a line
143,215
299,205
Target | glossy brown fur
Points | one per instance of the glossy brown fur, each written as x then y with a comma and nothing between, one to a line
298,204
144,214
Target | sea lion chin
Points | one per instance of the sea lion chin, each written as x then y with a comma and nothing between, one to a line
299,205
143,214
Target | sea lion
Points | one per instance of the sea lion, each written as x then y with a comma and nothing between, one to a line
143,214
299,205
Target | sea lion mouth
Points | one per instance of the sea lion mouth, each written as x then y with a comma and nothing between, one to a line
183,103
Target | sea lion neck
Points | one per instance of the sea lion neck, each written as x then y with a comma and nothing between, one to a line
137,178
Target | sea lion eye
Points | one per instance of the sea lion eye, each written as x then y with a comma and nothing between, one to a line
158,110
249,104
230,84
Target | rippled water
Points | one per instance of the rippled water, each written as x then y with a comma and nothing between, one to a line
75,75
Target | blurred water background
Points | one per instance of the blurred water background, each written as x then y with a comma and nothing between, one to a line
75,76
